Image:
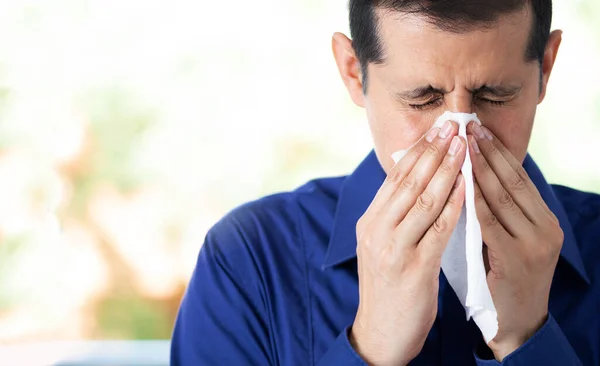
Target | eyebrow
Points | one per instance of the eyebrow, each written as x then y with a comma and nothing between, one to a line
498,90
425,91
420,93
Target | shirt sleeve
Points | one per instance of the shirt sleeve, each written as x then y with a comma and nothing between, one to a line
341,353
548,346
221,320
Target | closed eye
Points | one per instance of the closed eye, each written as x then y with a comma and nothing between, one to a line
432,103
489,101
436,102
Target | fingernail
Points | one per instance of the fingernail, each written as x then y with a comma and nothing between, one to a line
446,129
432,134
478,131
475,146
458,180
488,134
454,146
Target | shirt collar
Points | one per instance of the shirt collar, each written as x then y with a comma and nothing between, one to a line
359,189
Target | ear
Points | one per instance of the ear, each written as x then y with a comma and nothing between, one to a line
349,67
549,58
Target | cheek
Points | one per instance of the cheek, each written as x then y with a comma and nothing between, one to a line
512,128
395,130
392,127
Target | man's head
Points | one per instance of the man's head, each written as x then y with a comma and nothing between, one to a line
411,60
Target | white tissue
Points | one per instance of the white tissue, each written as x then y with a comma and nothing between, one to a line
462,261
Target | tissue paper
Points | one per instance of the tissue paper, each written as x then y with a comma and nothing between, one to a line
462,261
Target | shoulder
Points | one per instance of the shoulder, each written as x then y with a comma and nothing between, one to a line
280,211
270,228
583,210
579,205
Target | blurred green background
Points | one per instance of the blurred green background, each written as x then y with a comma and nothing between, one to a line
128,127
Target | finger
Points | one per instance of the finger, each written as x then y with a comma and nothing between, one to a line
399,172
520,176
484,133
492,231
426,210
499,199
437,236
515,164
513,177
414,183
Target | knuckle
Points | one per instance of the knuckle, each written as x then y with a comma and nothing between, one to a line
490,219
516,183
555,242
361,226
387,260
522,173
452,199
433,150
365,241
446,167
409,183
559,234
440,225
506,200
425,202
496,267
493,151
555,222
396,175
485,166
367,238
478,194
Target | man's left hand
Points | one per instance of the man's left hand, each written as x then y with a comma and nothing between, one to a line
522,236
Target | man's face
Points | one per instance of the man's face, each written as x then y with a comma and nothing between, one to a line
428,71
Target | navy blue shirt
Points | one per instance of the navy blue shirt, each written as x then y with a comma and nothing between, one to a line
276,284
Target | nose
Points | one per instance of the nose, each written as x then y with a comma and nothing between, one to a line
459,101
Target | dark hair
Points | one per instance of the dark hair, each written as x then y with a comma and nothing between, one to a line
449,15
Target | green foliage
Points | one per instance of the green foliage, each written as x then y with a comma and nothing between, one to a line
130,316
10,250
117,123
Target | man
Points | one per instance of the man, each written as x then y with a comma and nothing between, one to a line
346,271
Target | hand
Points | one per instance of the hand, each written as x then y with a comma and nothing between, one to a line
523,240
401,238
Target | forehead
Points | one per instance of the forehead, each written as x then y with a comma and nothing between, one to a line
411,44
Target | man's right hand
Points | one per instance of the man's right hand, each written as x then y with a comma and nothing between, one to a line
401,239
